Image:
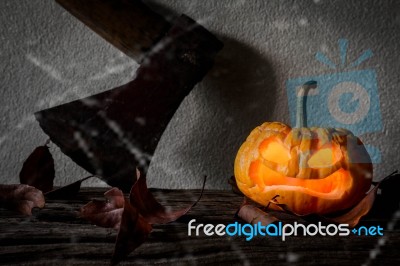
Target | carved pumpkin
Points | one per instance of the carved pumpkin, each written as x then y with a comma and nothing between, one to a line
313,170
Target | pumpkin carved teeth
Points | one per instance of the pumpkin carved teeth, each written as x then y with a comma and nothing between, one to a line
331,186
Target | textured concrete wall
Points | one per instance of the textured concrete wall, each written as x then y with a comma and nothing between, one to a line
49,58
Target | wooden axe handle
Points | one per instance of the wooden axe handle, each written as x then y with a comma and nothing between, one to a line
129,25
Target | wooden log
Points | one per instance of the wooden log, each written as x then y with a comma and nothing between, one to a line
111,133
54,235
129,25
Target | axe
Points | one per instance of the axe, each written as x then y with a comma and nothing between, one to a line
111,133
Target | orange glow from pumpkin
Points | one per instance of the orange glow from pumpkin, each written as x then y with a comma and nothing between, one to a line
274,151
264,176
324,157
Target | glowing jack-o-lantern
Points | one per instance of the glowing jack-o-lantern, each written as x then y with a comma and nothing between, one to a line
313,170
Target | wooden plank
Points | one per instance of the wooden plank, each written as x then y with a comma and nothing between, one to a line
55,236
112,133
129,25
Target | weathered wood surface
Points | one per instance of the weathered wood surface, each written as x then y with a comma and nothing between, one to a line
55,236
129,25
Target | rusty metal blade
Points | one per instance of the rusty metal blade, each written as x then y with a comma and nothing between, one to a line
129,25
111,133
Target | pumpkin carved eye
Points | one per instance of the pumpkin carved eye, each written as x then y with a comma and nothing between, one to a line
324,157
273,150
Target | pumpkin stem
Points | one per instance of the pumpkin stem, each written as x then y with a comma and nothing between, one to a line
301,111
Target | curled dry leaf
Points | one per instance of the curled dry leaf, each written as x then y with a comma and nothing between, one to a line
151,210
21,198
66,192
353,216
105,213
132,233
274,203
132,216
38,169
252,214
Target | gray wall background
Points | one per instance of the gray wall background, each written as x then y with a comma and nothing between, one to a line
47,57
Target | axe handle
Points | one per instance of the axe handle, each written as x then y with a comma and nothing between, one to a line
129,25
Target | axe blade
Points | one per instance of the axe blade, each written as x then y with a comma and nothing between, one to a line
129,25
112,133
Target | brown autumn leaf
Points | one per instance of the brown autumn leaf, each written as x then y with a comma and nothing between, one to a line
252,214
66,192
283,207
105,213
151,210
353,216
132,216
108,213
38,169
21,198
133,232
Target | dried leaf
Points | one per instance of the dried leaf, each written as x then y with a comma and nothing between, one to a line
132,216
68,191
132,233
105,213
353,216
151,210
253,214
38,169
21,198
283,207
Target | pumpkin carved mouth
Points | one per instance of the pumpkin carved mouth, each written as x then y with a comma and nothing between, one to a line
332,186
